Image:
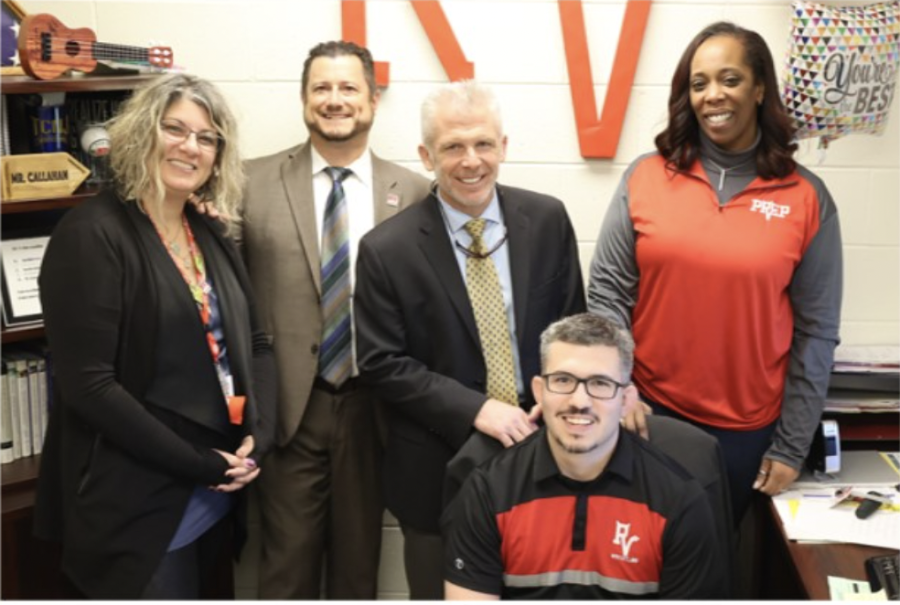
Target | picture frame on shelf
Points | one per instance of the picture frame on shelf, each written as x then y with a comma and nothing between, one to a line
21,266
12,15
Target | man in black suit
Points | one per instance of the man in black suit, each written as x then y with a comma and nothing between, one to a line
420,330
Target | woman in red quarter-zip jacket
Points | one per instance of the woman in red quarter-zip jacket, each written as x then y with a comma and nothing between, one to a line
723,255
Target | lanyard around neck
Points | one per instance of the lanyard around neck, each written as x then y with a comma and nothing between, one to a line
200,287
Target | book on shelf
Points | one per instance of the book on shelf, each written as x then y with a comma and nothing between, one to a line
37,399
26,390
12,382
49,122
20,368
39,353
4,127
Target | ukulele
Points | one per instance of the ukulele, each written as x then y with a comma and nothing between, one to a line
47,49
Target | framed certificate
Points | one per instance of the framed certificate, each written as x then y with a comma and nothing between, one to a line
21,267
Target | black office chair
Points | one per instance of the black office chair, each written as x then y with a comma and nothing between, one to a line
699,454
695,450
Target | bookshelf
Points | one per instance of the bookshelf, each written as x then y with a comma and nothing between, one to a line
18,482
22,335
41,214
30,566
16,85
24,206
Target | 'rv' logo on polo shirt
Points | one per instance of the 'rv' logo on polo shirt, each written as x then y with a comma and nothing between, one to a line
770,209
622,539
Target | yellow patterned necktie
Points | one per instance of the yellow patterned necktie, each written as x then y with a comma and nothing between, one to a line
486,297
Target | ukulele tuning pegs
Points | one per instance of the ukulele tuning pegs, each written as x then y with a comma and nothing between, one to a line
160,56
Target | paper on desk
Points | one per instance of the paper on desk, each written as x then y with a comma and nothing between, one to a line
893,459
808,515
864,468
845,589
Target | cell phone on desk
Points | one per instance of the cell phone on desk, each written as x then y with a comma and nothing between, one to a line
869,505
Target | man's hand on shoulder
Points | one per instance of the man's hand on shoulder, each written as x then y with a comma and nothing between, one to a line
634,418
206,206
506,423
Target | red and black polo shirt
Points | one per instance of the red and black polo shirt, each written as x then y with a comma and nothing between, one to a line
642,529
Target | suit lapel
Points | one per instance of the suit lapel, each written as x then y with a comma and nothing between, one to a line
518,229
387,195
438,250
296,173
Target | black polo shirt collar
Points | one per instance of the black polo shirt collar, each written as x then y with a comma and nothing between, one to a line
621,463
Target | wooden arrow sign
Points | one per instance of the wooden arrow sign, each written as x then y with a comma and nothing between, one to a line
41,175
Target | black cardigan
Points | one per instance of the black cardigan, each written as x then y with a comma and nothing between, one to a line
118,471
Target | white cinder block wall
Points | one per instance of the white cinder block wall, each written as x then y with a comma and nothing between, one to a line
255,50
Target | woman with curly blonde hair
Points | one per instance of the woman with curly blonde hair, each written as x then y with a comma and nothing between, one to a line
163,383
134,137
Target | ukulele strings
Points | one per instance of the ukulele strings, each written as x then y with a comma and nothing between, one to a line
101,50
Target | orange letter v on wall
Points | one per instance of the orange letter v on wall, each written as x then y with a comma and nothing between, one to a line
599,139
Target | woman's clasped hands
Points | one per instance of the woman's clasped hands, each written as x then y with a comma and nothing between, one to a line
243,468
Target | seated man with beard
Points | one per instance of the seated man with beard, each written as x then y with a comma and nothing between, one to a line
582,509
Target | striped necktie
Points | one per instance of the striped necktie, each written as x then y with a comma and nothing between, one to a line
486,297
336,352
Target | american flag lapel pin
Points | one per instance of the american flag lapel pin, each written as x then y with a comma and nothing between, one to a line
393,200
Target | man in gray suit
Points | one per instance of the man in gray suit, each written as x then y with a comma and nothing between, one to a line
321,497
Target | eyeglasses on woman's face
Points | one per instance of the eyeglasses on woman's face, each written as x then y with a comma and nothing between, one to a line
177,132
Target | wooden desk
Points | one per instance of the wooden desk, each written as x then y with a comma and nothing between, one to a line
813,563
796,571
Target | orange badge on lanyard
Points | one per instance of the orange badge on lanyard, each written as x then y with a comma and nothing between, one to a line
236,408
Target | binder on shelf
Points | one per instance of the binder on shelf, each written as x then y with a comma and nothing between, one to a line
12,381
20,367
27,390
37,399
